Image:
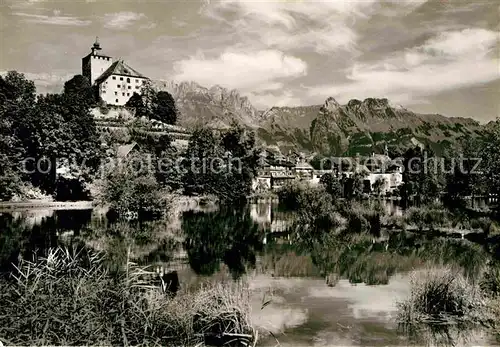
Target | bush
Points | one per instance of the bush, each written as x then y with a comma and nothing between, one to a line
357,223
441,295
289,194
490,282
432,217
136,196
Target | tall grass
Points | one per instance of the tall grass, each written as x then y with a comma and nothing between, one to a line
69,298
442,295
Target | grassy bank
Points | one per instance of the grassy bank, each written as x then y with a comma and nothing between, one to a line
69,298
443,295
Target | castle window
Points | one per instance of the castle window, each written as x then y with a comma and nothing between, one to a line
129,87
136,80
123,94
136,87
116,93
114,77
128,94
118,85
128,80
121,78
116,100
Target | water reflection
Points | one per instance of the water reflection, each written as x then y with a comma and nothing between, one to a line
28,235
240,240
228,236
459,334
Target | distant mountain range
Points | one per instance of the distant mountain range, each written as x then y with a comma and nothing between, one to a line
331,129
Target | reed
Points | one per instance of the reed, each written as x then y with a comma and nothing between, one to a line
69,298
442,295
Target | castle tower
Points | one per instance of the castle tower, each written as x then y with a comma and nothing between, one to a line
95,63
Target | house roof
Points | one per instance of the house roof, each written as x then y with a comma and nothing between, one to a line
119,68
124,150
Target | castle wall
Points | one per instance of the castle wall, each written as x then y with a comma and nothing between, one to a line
94,65
116,89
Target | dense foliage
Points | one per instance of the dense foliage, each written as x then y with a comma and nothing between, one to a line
221,164
133,192
41,134
154,105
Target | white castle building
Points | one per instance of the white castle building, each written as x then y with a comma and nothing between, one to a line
115,80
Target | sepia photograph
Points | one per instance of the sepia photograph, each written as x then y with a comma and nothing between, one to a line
249,173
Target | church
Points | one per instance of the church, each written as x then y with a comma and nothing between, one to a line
115,81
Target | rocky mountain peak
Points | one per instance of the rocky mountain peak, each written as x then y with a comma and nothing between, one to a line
215,105
331,104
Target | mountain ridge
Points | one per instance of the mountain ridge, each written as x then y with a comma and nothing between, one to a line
358,126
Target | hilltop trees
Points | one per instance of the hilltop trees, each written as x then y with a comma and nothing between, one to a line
164,108
136,102
81,91
38,133
17,96
154,105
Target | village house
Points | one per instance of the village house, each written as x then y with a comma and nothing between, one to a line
115,81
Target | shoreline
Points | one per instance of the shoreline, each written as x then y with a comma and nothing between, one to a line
10,206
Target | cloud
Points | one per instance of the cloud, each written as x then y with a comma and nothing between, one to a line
330,39
324,26
446,61
55,19
121,20
285,98
249,72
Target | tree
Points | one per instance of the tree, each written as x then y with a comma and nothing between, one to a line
422,179
79,89
332,185
221,165
200,164
491,159
353,186
37,134
163,108
128,190
239,146
17,97
464,178
137,103
63,131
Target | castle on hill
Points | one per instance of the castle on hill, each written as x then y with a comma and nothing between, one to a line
115,81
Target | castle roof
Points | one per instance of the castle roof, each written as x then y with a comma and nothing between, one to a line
119,68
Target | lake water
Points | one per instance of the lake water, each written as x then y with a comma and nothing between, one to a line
303,311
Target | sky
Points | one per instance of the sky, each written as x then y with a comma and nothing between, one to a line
435,56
